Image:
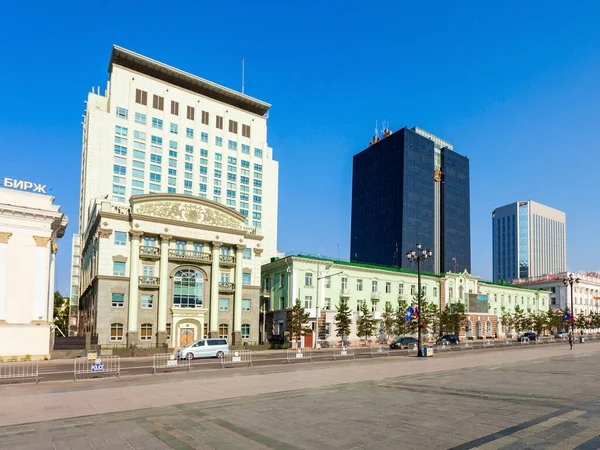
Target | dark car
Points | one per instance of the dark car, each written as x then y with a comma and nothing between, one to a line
404,342
449,338
276,340
529,335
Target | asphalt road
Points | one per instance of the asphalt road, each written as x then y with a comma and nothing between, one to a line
62,370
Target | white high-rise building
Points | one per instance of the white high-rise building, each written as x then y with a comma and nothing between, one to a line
529,240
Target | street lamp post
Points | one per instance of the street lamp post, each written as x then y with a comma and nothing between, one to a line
419,255
571,280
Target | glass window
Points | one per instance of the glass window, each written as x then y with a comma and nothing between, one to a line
247,252
344,284
308,301
147,300
359,285
189,132
157,123
120,238
223,331
204,137
400,289
246,279
219,141
258,152
174,128
223,304
122,113
246,149
232,145
388,287
146,332
328,304
116,331
246,331
140,118
188,289
374,286
308,279
118,269
246,304
118,300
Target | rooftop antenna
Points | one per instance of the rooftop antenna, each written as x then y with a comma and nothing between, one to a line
242,75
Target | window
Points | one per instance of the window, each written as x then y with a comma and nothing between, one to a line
141,97
223,304
308,301
246,130
140,118
400,289
258,152
247,252
245,149
359,285
190,112
174,108
424,290
168,331
188,287
116,331
388,287
174,128
246,304
344,284
328,304
413,289
374,286
118,300
233,126
146,332
122,113
219,122
245,331
223,331
204,137
435,291
120,238
147,300
327,282
118,269
374,306
225,277
246,279
232,145
205,117
158,102
359,304
157,123
308,279
258,167
219,141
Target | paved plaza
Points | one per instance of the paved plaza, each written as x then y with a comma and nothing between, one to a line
534,398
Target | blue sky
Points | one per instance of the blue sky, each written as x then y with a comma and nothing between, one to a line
513,85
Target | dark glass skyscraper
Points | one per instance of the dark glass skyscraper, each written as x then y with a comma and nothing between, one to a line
408,187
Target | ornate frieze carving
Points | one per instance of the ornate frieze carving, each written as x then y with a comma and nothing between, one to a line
41,241
188,212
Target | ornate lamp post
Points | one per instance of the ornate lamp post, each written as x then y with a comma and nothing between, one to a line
419,255
571,280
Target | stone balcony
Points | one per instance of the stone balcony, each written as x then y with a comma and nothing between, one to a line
227,260
149,282
190,256
149,252
226,286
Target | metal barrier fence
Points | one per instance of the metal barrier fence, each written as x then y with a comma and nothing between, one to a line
414,350
538,340
551,340
237,357
169,361
19,370
524,341
489,343
298,354
507,342
343,353
105,365
443,347
379,350
467,346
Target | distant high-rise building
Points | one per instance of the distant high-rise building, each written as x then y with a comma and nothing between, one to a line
408,187
529,240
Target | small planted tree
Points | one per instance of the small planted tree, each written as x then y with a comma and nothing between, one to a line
518,317
343,320
388,318
540,322
364,322
297,320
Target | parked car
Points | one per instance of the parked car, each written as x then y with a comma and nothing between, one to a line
404,342
204,348
560,334
449,338
530,335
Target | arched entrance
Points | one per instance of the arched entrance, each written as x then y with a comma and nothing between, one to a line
478,329
488,329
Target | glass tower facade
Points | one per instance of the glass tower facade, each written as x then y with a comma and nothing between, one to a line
411,187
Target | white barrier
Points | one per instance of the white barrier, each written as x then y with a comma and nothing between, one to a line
379,350
169,361
19,370
414,350
444,347
105,365
467,346
489,343
524,341
507,342
237,357
538,340
343,353
551,340
298,354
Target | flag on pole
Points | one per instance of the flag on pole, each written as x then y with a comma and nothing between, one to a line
454,262
416,312
409,313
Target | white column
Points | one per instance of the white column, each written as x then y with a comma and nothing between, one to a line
50,299
237,301
134,269
4,237
163,288
213,327
42,272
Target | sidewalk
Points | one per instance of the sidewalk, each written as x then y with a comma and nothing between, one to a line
23,404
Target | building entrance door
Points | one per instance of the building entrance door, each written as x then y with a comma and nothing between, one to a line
186,336
478,329
308,340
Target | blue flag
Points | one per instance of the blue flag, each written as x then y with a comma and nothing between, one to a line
409,313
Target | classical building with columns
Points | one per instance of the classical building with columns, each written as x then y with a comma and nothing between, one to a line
30,225
169,269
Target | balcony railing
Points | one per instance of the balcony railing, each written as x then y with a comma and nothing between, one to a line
344,292
375,295
265,293
227,259
226,286
190,255
149,281
149,251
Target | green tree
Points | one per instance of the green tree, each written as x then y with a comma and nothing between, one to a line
61,314
518,316
388,319
296,321
507,319
364,322
554,320
401,327
452,318
343,319
540,322
430,317
527,322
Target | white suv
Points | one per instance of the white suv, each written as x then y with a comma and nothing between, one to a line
204,348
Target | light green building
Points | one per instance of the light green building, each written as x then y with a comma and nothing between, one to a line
319,284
